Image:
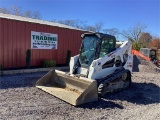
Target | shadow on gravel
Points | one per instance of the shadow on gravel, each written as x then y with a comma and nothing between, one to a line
136,62
138,93
20,80
28,82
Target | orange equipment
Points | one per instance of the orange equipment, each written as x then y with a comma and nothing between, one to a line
135,52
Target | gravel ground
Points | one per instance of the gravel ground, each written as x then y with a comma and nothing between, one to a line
19,99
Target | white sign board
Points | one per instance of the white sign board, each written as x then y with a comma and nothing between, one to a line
41,40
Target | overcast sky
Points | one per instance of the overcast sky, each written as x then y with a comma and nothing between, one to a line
120,14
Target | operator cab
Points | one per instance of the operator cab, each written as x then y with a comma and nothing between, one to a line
150,53
94,46
145,51
153,54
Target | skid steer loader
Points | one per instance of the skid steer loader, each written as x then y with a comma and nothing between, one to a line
98,69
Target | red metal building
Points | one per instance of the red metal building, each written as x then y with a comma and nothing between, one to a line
15,39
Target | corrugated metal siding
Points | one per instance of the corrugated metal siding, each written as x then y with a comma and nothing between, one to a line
15,39
1,43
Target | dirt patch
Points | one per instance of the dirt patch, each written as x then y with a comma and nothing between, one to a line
73,90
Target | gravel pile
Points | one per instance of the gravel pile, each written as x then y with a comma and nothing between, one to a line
21,100
142,65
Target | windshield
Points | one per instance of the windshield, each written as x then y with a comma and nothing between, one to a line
88,49
145,51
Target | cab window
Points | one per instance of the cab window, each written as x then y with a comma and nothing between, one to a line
107,46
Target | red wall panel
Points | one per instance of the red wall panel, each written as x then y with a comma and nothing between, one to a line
15,39
10,42
5,43
1,43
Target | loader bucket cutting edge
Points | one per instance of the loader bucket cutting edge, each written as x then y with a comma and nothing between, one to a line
71,89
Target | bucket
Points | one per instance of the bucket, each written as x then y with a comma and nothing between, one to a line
68,88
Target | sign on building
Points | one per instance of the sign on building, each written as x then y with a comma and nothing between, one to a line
41,40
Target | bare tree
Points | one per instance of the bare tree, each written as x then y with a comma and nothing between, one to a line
16,10
65,22
91,28
112,31
36,15
134,33
95,28
74,23
53,20
80,24
69,22
27,13
99,26
4,10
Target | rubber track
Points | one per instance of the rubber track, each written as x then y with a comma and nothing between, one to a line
115,77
